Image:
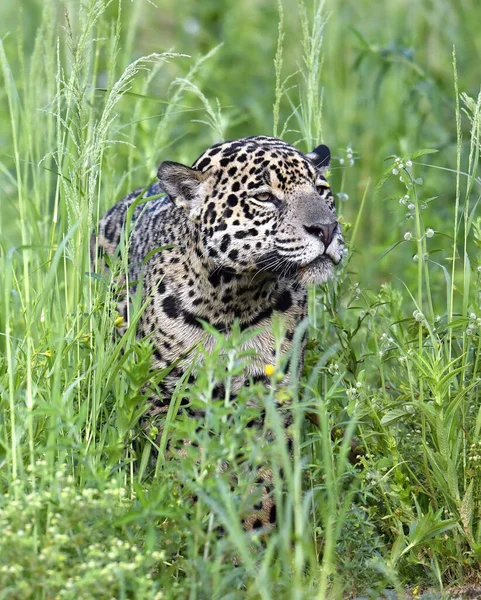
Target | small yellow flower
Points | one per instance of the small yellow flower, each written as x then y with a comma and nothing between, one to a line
269,370
47,353
119,321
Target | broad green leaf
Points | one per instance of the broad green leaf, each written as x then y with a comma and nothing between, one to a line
424,152
466,510
427,527
394,415
398,548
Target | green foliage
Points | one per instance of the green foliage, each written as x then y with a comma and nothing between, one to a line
97,501
67,542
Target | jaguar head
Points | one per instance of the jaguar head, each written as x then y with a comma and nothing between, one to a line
260,204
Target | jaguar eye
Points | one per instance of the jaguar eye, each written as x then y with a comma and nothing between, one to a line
321,188
265,197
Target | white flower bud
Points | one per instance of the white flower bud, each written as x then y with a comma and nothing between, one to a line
408,236
394,171
429,233
411,206
409,163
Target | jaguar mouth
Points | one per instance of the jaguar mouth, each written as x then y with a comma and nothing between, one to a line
319,260
317,271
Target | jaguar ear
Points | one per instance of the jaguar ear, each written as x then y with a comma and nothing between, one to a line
182,184
320,157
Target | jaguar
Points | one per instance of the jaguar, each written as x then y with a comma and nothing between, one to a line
236,237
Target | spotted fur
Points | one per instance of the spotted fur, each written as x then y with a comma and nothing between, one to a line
249,225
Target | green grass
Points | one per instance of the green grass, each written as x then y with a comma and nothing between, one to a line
93,97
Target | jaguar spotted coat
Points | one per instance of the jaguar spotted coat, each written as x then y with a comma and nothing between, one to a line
248,226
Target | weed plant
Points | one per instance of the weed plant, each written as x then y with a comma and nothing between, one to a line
92,505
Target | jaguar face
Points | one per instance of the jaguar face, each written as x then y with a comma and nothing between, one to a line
260,205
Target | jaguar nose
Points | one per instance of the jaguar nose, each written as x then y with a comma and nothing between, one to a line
323,231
